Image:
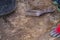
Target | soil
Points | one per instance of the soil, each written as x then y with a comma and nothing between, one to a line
17,26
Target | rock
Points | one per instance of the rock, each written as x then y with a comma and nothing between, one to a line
39,12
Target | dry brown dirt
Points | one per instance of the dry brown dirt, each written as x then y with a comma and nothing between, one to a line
17,26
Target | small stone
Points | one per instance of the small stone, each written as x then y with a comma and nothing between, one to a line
39,12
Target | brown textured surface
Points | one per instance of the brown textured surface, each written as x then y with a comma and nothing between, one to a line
17,26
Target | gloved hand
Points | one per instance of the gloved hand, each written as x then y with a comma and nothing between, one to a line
56,31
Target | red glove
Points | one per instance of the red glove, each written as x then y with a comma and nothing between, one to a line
58,28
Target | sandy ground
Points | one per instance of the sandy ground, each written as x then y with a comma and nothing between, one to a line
17,26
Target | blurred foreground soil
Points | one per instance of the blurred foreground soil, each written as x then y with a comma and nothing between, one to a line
17,26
